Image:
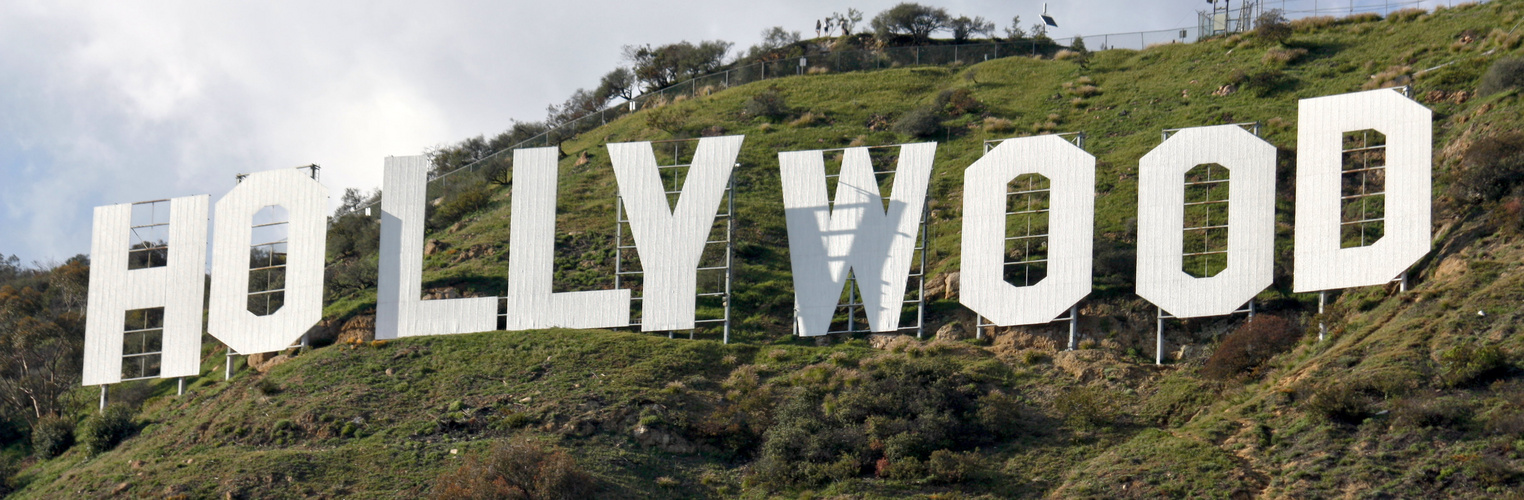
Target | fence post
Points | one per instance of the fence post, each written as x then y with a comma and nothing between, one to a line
918,56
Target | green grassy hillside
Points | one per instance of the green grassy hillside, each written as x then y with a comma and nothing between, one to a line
1412,394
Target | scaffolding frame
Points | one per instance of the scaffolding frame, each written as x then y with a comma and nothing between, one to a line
1078,138
728,268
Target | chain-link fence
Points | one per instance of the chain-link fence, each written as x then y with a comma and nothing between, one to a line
930,55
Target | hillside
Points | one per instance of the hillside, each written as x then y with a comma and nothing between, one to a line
1416,393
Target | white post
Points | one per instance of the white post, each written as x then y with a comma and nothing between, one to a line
103,398
1322,328
181,391
1073,324
227,373
1403,286
1159,339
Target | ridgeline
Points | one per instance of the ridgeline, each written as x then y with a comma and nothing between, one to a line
1412,394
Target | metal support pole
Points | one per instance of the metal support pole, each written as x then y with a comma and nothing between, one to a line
1322,328
920,306
1159,338
1403,286
103,398
1251,308
181,391
1073,324
227,374
730,245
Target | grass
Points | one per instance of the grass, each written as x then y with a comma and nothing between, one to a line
381,420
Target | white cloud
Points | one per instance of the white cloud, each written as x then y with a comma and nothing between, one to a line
115,102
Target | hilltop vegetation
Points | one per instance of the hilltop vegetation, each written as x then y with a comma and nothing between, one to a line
1412,394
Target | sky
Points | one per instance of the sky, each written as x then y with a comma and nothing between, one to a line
117,102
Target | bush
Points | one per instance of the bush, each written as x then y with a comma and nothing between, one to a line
465,202
1265,83
1503,75
766,104
1250,346
1090,406
1491,168
1339,402
103,431
52,435
1429,411
1271,26
924,121
1283,56
1465,365
518,469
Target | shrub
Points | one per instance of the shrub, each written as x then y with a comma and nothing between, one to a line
1491,168
1466,365
1429,411
518,469
1283,56
103,431
1090,406
924,121
766,104
1339,402
1066,54
958,102
1404,15
1271,26
1503,75
998,125
52,435
463,203
1265,83
1250,346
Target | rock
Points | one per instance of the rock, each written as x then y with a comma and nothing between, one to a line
433,246
324,333
136,464
1225,90
950,287
120,488
437,201
358,330
263,362
952,331
880,340
661,439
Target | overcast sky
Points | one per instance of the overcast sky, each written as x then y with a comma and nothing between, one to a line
116,102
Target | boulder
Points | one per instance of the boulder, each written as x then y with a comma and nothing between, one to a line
432,247
358,330
264,361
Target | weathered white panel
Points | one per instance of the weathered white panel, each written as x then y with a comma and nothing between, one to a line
306,204
400,312
178,287
532,252
1320,263
1071,222
1161,217
671,241
854,232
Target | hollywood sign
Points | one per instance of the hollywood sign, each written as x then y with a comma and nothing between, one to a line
162,301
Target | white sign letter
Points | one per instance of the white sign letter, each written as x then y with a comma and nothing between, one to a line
399,310
147,266
1071,222
532,253
855,231
284,266
1320,263
1161,219
671,241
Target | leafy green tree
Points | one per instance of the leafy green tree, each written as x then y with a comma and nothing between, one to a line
962,27
617,83
911,19
659,67
1014,31
774,39
847,21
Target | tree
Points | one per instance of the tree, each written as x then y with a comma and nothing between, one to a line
1271,26
659,67
580,104
773,39
1014,32
962,27
1078,45
617,83
847,21
912,19
1040,34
